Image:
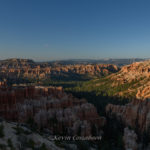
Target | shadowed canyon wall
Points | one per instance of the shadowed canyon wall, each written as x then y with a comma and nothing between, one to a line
50,107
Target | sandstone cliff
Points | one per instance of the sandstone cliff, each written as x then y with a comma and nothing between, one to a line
136,114
22,68
50,107
131,81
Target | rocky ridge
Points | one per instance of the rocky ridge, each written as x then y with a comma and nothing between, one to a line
133,80
22,68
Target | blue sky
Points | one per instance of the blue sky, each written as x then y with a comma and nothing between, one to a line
65,29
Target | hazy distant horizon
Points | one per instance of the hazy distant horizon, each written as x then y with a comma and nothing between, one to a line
71,59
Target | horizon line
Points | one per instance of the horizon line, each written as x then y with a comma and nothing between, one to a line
73,59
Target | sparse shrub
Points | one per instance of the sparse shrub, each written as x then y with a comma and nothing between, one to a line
43,147
2,147
31,144
59,144
1,131
19,130
82,145
32,124
10,144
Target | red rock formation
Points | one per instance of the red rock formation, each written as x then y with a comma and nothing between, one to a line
15,68
131,81
49,107
135,114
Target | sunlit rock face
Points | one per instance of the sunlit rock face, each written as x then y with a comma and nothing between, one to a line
23,68
50,107
135,77
135,114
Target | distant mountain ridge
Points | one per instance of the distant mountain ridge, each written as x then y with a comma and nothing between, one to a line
118,62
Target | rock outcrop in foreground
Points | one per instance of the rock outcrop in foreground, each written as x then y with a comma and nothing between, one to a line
51,108
11,139
136,114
